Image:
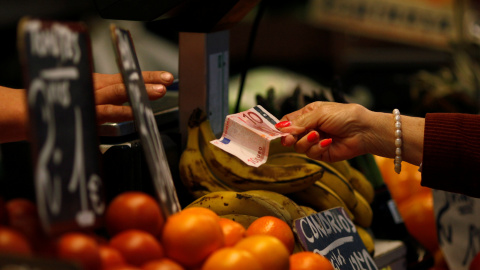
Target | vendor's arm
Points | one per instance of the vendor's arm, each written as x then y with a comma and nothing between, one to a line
13,114
110,96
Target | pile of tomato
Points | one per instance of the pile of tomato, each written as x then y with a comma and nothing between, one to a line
135,235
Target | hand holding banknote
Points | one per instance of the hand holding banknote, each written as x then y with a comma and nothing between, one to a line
247,135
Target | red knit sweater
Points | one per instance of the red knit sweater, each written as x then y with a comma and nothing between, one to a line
451,153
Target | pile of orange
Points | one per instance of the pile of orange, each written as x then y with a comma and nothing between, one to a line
414,202
139,238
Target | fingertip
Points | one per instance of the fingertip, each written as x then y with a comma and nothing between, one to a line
288,140
283,124
167,76
159,88
326,142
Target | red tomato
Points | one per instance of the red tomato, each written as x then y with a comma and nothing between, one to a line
134,210
137,247
13,242
162,264
23,216
475,263
80,248
110,257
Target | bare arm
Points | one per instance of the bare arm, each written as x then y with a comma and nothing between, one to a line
110,95
354,131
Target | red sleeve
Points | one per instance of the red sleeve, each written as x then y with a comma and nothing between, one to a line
451,153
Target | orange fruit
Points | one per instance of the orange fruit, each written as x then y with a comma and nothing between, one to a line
189,237
418,216
232,231
110,257
200,210
307,260
275,227
162,264
401,186
134,210
268,250
230,258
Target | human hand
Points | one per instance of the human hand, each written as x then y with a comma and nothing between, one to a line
328,131
110,94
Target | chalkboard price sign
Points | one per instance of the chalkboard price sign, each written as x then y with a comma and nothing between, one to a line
332,234
145,120
56,58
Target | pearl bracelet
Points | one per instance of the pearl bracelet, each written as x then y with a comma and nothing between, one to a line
398,141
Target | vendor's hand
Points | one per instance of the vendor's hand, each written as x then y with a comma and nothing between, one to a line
110,94
327,131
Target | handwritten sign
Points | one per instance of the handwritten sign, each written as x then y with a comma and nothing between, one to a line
58,77
332,234
458,227
145,120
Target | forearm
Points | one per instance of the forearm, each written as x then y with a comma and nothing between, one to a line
382,136
13,115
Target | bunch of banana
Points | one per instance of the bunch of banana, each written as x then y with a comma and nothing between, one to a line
194,172
331,178
285,178
340,186
246,206
205,168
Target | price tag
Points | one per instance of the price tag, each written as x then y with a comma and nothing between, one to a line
145,120
332,234
58,77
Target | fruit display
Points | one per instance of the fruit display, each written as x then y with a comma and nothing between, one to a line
240,217
194,238
288,186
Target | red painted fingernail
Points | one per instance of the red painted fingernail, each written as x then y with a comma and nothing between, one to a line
326,142
312,137
283,124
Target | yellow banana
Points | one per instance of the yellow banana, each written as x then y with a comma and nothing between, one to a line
320,197
367,239
232,202
331,176
361,184
193,170
308,210
293,208
232,171
343,167
277,147
362,212
245,220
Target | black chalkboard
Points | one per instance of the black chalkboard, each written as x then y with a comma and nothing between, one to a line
56,58
145,121
332,234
